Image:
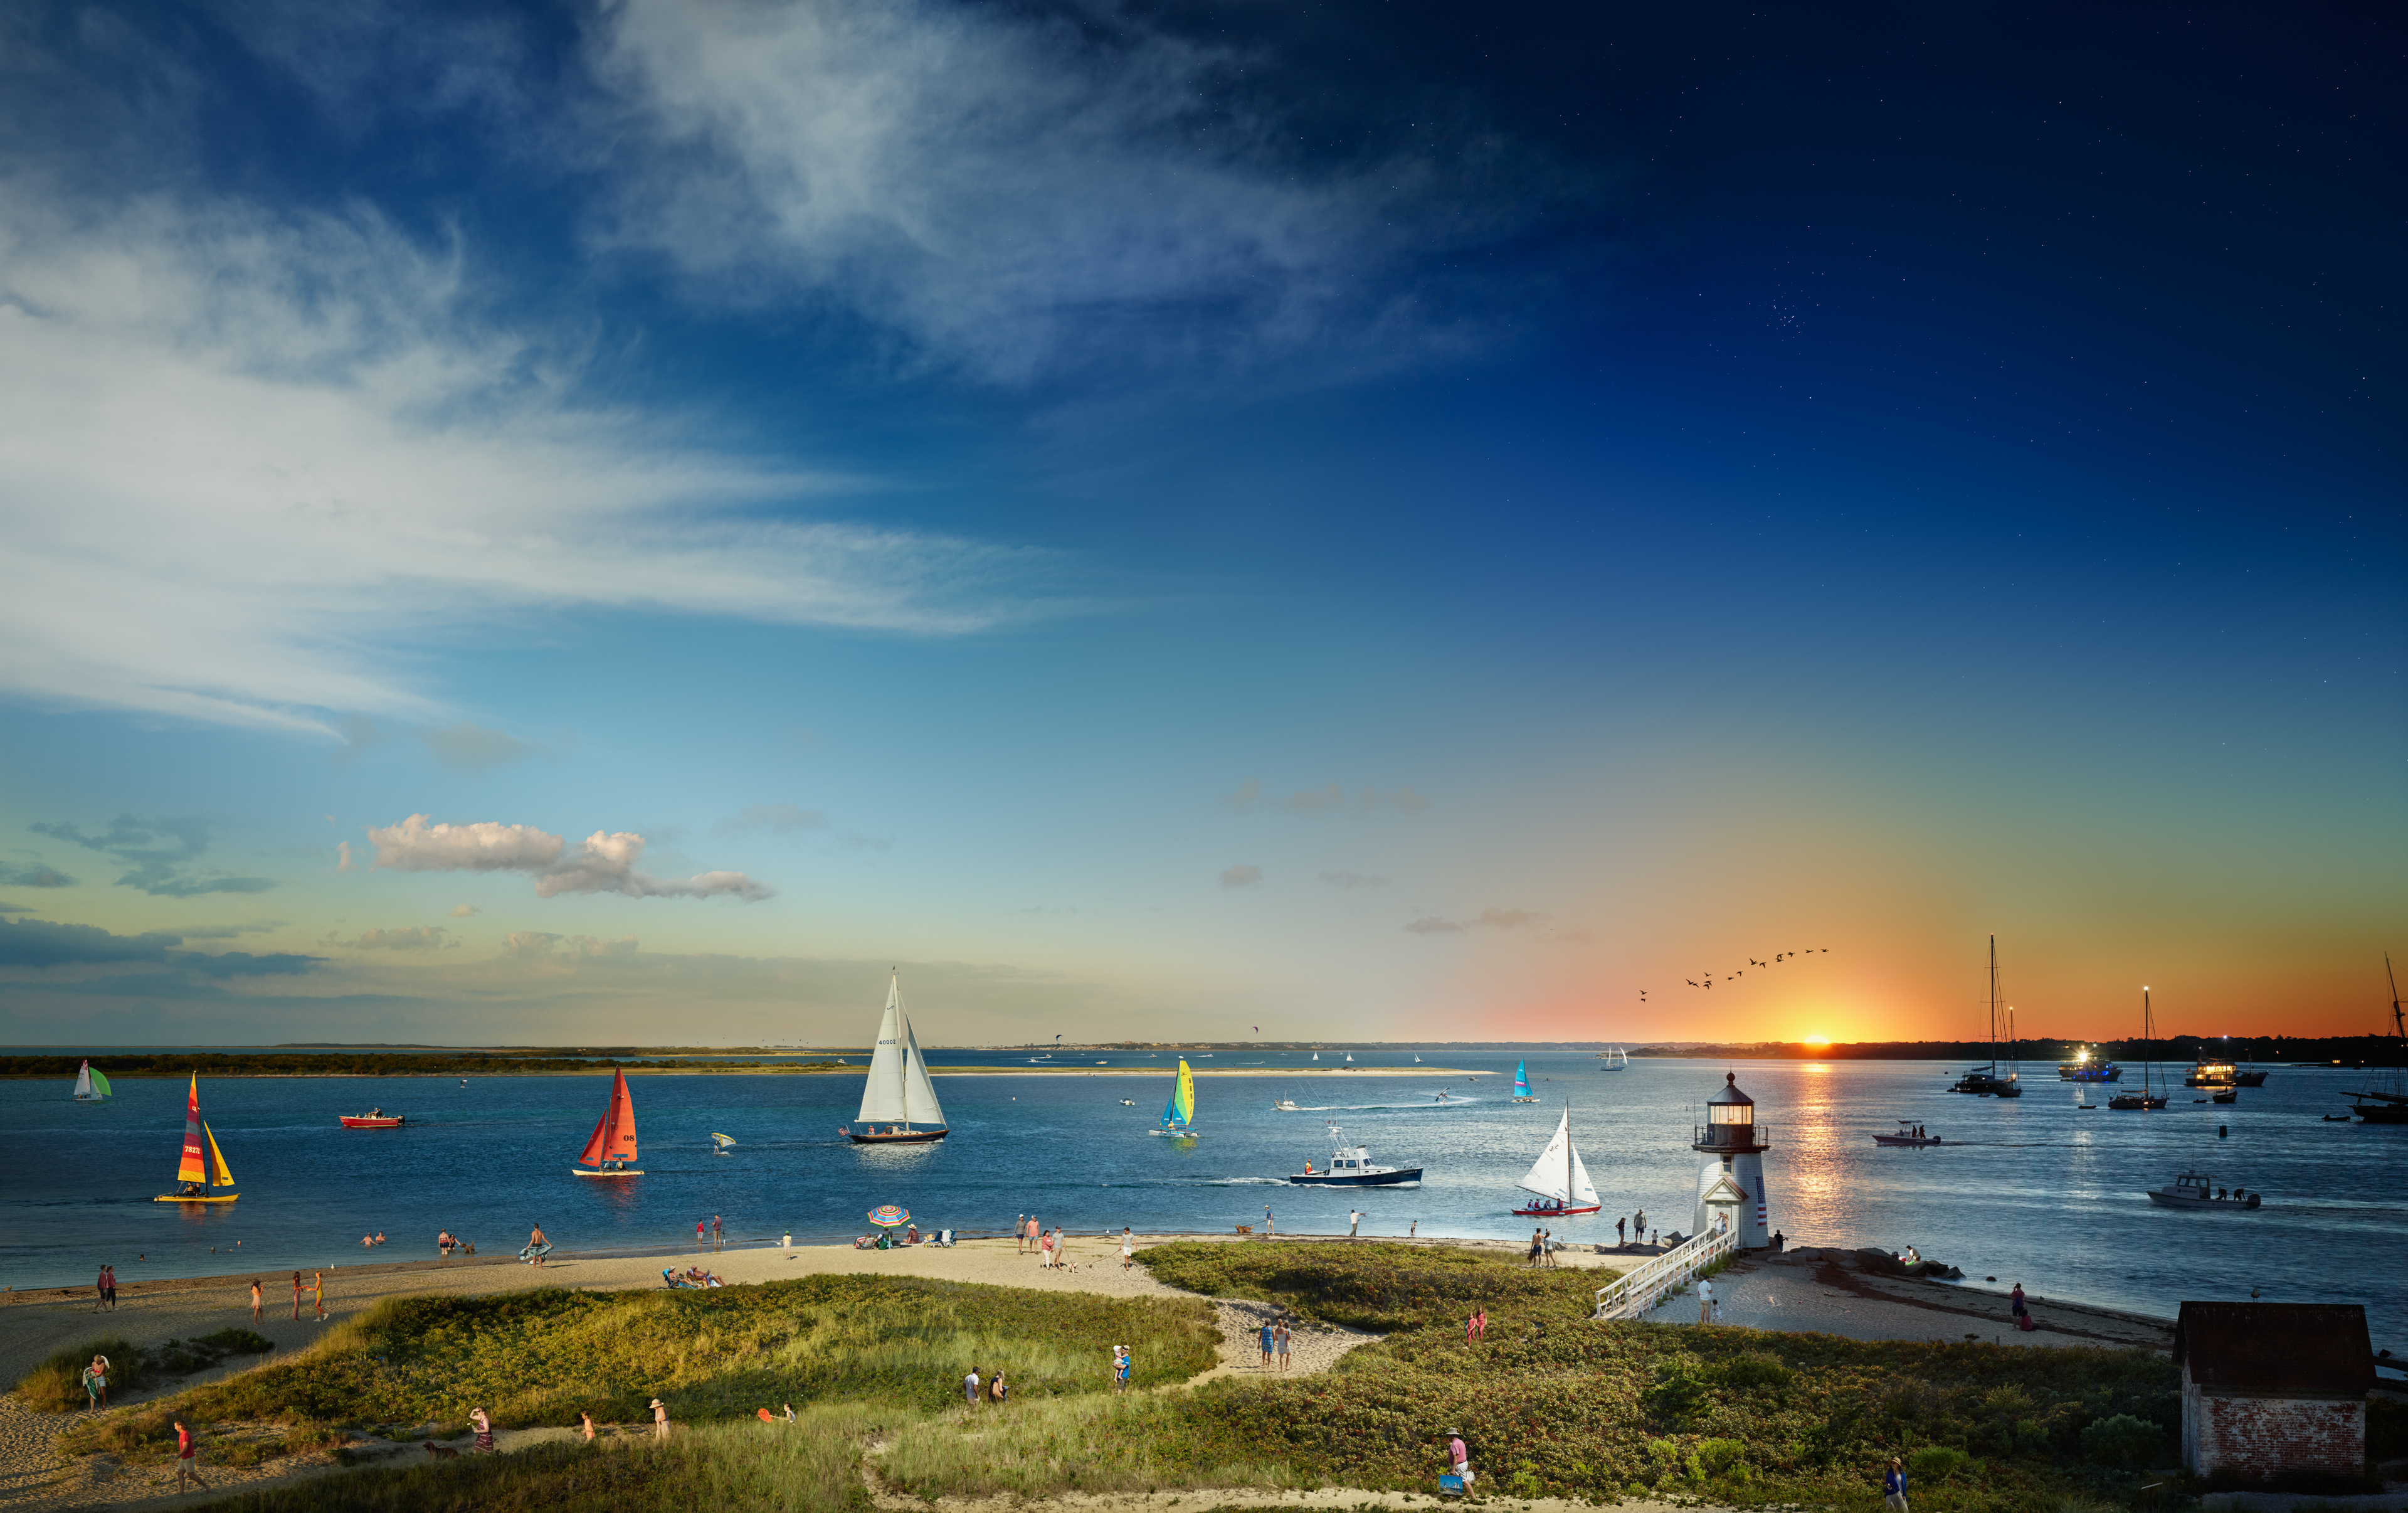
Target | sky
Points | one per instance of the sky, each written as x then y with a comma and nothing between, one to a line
603,523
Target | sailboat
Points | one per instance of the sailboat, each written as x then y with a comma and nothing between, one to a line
2388,1104
1616,1059
1350,1058
612,1144
1986,1081
1522,1083
898,1103
2148,1097
91,1086
204,1165
1179,1115
1559,1178
721,1141
1316,1056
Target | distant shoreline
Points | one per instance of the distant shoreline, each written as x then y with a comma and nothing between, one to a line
603,1069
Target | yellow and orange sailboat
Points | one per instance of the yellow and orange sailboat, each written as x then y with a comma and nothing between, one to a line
204,1165
613,1146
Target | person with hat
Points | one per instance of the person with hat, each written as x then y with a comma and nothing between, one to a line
660,1420
1894,1486
1458,1458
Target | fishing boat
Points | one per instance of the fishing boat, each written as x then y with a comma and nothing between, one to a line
1179,1115
89,1086
1282,1105
2148,1097
1614,1058
610,1151
721,1141
1906,1136
2388,1103
375,1119
1558,1178
898,1103
1351,1166
204,1166
1522,1083
2197,1190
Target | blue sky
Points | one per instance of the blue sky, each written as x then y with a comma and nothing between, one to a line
1166,519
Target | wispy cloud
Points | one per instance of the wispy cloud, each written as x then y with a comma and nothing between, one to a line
603,862
464,747
1485,919
1018,192
158,854
252,457
1331,799
41,943
1241,875
34,874
402,938
789,822
1352,880
538,943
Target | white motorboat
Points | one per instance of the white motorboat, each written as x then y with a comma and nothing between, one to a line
1908,1134
2197,1190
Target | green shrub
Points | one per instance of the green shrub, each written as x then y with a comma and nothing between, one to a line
1720,1457
1934,1463
56,1385
1677,1396
2124,1442
1755,1368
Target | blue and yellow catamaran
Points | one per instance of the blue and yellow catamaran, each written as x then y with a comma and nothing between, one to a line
204,1165
1179,1115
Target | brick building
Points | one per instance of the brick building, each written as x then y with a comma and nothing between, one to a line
2273,1387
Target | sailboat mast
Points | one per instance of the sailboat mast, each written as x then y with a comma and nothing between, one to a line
1568,1153
1994,1005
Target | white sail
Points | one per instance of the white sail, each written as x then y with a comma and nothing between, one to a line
881,1095
919,1095
1548,1175
83,1083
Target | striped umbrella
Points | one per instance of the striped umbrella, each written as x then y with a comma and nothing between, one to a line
886,1216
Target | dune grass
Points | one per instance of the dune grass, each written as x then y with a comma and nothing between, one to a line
56,1385
1094,1444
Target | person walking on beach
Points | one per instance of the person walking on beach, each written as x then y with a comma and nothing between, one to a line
1705,1302
109,1287
1619,1239
788,1243
1354,1222
1128,1248
1267,1343
718,1231
296,1297
256,1300
700,1225
320,1277
1267,1221
1639,1223
1894,1486
185,1448
1030,1231
2016,1304
1278,1339
1413,1229
660,1420
100,1289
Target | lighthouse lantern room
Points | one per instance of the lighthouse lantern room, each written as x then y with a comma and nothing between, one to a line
1730,1183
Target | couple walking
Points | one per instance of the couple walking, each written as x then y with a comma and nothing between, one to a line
1051,1246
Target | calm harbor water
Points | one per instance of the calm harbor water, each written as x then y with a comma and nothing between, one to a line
2043,1193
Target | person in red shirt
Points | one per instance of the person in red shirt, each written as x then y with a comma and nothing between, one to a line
184,1458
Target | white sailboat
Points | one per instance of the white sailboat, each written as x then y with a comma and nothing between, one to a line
1559,1178
91,1086
1616,1059
898,1103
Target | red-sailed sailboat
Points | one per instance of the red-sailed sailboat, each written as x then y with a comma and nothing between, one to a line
613,1144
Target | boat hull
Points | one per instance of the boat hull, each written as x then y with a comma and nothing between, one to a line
2382,1113
1175,1135
2185,1199
1359,1179
2249,1079
363,1121
2135,1101
1557,1213
171,1197
579,1171
908,1137
1908,1140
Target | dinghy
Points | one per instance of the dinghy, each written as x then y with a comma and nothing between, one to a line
1179,1115
898,1103
91,1086
1558,1178
204,1166
1522,1083
611,1150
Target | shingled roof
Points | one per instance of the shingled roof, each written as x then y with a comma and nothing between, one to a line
2309,1349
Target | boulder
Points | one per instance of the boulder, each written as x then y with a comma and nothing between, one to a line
1872,1258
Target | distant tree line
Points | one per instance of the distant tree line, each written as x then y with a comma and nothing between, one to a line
370,1064
2346,1051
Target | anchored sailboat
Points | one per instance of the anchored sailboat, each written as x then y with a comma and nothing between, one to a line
2148,1097
898,1103
204,1165
91,1086
1558,1177
612,1144
1179,1115
1522,1083
1615,1058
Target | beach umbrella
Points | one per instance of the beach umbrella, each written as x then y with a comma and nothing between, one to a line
887,1216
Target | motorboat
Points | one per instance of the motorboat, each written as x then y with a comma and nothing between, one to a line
375,1119
1906,1135
1351,1166
1284,1106
2082,1067
2197,1190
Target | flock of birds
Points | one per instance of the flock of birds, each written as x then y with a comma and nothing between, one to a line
1777,959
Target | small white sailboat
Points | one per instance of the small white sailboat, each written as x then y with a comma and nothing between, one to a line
721,1141
1179,1115
1350,1058
898,1103
1614,1058
1316,1056
1558,1178
91,1086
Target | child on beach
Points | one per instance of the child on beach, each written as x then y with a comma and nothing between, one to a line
296,1297
320,1277
255,1302
1120,1368
1128,1248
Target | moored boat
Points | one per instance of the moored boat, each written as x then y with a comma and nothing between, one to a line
2210,1072
1351,1166
2388,1103
2148,1097
898,1103
611,1150
204,1166
2197,1190
1558,1178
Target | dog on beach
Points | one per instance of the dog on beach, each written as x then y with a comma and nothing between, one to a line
442,1452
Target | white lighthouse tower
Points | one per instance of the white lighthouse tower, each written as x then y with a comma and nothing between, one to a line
1730,1184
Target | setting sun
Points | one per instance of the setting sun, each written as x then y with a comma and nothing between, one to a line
1818,1040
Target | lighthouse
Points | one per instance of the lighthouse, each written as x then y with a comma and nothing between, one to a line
1730,1183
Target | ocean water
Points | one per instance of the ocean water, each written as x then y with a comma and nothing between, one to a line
2043,1193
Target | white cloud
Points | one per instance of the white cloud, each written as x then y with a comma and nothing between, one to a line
1016,192
406,938
1241,875
249,456
603,862
536,943
466,910
1486,919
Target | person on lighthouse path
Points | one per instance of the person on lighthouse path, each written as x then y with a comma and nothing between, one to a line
1705,1302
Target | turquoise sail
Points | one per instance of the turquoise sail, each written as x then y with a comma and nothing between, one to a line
1521,1079
1180,1111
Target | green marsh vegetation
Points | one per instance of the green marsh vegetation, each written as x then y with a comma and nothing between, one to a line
56,1385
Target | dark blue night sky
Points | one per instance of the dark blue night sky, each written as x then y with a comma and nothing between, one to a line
1403,520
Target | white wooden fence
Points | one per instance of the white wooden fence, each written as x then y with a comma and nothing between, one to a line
1645,1285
